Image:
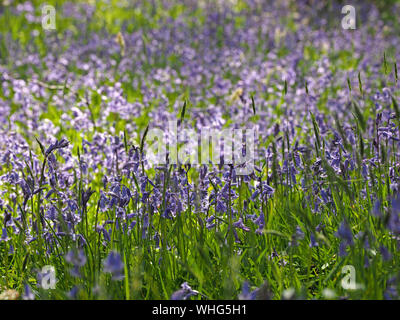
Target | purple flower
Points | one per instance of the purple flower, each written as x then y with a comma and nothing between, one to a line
298,235
345,233
393,223
255,195
210,223
86,196
366,262
73,293
113,264
77,258
240,225
376,211
106,235
324,196
260,223
313,241
364,171
391,289
4,236
221,207
184,293
346,236
293,172
57,145
385,253
261,293
28,294
246,293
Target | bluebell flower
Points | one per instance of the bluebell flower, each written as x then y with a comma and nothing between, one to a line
235,235
364,171
51,213
345,233
130,216
209,222
184,293
366,262
113,264
324,196
255,195
221,207
57,145
77,258
391,289
297,159
4,235
156,238
261,293
103,201
260,223
385,253
246,293
376,211
393,223
240,225
145,226
8,220
313,241
267,190
28,294
346,236
293,172
145,196
106,235
73,293
298,235
105,181
132,225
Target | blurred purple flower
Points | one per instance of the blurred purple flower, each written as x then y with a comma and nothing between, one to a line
184,293
28,294
346,236
114,265
4,236
240,225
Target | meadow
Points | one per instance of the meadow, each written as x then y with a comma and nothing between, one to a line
86,214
